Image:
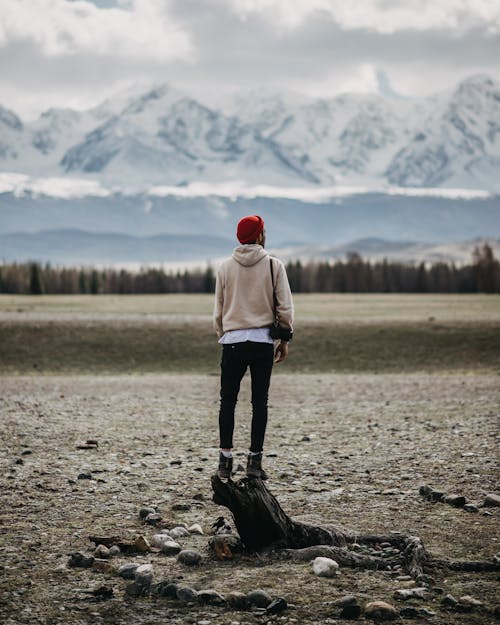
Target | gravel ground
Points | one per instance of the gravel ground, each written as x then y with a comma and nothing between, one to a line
344,450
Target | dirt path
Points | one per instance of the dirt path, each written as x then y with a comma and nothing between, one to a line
373,440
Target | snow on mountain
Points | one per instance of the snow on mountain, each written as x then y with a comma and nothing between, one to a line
161,136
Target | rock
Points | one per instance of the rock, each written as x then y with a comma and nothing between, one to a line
141,545
225,546
346,600
26,452
101,551
170,548
380,610
409,612
403,594
84,476
176,462
211,597
166,589
189,557
426,612
136,590
276,606
449,601
350,611
114,551
470,507
178,532
305,439
457,501
259,598
186,594
430,493
158,540
153,518
127,571
79,560
468,600
325,567
144,575
143,512
237,600
492,500
181,507
196,529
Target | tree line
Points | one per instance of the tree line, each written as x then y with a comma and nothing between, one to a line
352,275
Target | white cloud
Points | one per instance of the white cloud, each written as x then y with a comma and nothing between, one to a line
141,29
383,16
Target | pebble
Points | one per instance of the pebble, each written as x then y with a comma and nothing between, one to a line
238,600
153,518
166,589
84,476
276,606
470,507
144,575
143,512
468,600
457,501
158,540
449,600
380,610
179,532
101,551
127,571
196,529
492,500
259,598
190,557
346,600
430,493
141,545
305,439
102,566
114,550
409,612
135,590
351,611
325,567
181,507
26,452
170,548
80,560
186,594
211,597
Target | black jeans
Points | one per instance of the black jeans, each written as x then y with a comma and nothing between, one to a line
236,358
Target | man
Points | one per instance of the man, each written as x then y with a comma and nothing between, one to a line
245,308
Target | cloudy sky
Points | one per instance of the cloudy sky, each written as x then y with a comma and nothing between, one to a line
77,52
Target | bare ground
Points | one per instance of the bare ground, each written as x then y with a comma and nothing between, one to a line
374,439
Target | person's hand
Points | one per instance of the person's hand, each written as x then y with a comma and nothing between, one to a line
281,352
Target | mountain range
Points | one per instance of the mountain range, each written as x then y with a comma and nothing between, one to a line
159,135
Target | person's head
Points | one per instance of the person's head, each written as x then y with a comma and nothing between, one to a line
251,230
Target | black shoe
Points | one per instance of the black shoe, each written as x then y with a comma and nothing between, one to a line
225,469
254,467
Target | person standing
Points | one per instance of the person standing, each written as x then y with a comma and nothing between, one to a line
251,291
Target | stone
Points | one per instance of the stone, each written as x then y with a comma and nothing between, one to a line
325,567
426,612
79,560
470,507
237,600
114,550
127,571
430,493
101,551
305,439
166,589
345,600
84,476
380,610
181,507
196,529
468,600
409,612
259,598
492,500
449,601
136,590
277,606
170,548
403,594
211,597
350,611
225,546
144,575
141,545
187,594
457,501
26,452
158,540
153,518
143,512
102,566
189,557
179,532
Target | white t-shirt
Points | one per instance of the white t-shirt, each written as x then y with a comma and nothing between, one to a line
257,335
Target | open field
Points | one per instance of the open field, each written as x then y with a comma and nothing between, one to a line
391,391
173,333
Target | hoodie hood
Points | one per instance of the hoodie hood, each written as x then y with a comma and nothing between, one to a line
248,255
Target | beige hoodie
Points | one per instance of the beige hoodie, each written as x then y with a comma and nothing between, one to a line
244,292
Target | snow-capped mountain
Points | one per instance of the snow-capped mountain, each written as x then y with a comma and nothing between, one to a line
158,135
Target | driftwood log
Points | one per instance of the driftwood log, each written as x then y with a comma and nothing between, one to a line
264,527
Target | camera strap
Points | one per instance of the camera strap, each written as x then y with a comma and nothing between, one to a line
275,301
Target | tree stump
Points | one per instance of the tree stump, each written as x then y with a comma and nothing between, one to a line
263,526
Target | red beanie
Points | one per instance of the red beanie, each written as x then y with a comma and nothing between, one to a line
249,229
